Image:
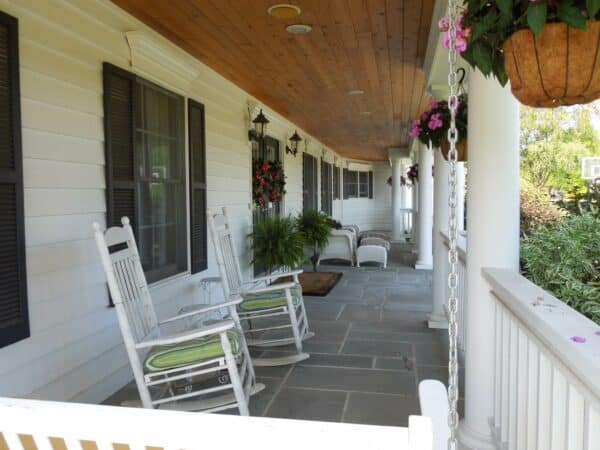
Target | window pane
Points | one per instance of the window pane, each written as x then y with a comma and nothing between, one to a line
363,181
161,180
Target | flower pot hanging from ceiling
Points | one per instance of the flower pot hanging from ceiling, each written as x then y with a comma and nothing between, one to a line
461,148
561,67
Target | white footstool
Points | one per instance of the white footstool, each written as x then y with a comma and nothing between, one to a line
371,253
376,241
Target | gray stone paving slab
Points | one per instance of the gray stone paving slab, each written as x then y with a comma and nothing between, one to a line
380,409
308,404
378,348
361,380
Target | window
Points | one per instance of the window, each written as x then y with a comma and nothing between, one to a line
336,183
326,185
14,316
146,178
309,182
358,184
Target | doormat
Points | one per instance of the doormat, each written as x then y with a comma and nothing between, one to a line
317,284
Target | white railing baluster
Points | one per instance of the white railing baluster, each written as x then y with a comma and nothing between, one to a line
512,382
559,404
521,388
13,441
532,394
505,374
575,420
592,428
498,367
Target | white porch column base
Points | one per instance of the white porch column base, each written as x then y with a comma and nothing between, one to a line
493,239
425,249
472,440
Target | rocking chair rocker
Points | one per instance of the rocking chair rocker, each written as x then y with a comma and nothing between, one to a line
261,302
160,362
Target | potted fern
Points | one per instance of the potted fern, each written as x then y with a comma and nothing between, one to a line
315,227
276,243
546,48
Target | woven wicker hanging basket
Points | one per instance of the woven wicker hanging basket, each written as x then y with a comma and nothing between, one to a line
560,67
461,148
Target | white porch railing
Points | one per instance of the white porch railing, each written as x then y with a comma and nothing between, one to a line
547,385
461,287
48,423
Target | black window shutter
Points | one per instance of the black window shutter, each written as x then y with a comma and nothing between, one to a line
121,186
371,184
14,315
197,146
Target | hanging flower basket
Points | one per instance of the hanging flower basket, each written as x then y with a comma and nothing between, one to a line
548,49
433,126
461,148
560,67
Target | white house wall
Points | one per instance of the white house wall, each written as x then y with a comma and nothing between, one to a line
75,350
372,214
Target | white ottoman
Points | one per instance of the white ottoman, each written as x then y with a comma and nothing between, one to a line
371,253
376,241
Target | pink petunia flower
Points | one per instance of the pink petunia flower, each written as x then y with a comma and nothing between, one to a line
578,339
444,23
435,122
434,104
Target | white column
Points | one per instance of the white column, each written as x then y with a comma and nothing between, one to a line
425,254
397,222
407,205
415,216
437,318
460,195
493,239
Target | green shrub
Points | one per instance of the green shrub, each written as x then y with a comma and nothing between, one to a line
277,242
564,259
536,209
315,227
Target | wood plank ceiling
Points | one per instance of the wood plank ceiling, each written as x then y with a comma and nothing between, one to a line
376,46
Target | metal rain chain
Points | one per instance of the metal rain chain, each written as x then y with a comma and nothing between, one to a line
452,230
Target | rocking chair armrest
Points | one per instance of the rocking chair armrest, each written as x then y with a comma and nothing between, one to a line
235,300
274,287
277,275
215,328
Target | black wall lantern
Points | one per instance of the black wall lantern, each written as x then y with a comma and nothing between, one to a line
294,142
260,127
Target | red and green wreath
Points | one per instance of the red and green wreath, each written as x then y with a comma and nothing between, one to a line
268,182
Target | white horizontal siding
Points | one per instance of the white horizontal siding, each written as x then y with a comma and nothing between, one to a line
75,350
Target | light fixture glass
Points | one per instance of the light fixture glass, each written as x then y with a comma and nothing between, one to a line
365,113
294,143
356,92
284,11
298,28
260,123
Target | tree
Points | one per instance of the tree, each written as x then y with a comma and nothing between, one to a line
553,142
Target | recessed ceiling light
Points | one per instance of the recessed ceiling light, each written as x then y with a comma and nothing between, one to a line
365,113
284,11
298,28
356,92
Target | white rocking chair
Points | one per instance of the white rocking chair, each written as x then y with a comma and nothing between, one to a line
261,302
160,362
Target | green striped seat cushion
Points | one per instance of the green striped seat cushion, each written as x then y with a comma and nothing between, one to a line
163,357
272,299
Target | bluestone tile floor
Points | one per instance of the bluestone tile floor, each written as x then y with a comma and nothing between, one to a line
370,350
